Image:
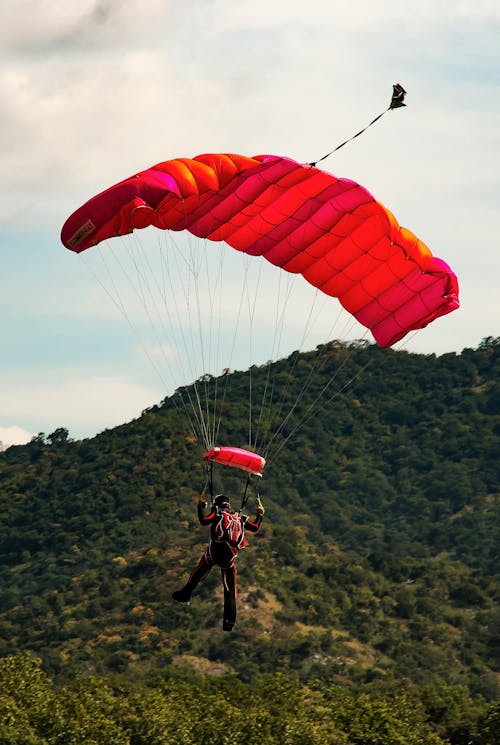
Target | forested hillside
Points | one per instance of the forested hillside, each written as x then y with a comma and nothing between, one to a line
376,567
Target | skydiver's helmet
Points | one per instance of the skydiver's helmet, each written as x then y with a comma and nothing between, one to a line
222,502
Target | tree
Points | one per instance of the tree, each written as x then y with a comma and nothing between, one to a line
58,437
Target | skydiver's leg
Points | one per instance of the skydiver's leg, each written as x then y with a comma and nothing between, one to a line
230,592
197,575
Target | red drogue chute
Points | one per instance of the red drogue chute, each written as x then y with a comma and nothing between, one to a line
305,220
245,460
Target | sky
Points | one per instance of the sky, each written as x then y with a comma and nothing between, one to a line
96,90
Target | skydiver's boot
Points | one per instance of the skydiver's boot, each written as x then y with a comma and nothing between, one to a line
182,596
227,625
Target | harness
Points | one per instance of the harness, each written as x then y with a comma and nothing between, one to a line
230,528
227,537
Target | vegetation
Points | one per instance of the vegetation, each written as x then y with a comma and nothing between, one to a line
273,709
368,608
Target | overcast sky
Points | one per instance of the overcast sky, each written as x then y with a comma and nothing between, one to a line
92,91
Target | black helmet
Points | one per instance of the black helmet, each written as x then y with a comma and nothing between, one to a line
222,501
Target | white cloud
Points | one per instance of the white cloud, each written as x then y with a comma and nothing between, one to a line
13,435
32,27
265,14
88,114
84,405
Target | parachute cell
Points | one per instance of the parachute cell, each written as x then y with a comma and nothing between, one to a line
330,230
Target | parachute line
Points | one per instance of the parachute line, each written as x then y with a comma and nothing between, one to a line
247,211
310,410
115,296
275,351
279,419
197,410
397,101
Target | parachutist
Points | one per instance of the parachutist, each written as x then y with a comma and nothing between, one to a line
227,538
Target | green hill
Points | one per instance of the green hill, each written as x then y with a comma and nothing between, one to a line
376,565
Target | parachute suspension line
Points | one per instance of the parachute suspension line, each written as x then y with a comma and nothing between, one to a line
266,408
217,290
215,294
214,399
214,287
145,293
245,493
312,406
209,482
204,366
278,329
255,485
317,366
275,417
205,337
161,290
169,299
115,296
269,413
140,252
251,305
220,396
192,284
199,322
150,301
233,342
408,338
278,421
188,283
397,100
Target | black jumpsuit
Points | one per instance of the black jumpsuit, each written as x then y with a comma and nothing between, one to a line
222,550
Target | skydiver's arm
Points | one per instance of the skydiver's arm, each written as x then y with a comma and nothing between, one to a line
202,503
254,525
205,519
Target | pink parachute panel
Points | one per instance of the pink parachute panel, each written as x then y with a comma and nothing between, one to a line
237,458
298,217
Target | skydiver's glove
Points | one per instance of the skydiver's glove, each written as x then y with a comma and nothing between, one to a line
260,508
203,498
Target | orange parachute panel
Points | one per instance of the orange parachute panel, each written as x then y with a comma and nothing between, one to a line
298,217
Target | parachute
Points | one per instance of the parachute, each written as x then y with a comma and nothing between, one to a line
300,218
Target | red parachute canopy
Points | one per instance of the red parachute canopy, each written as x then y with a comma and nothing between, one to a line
299,217
237,458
